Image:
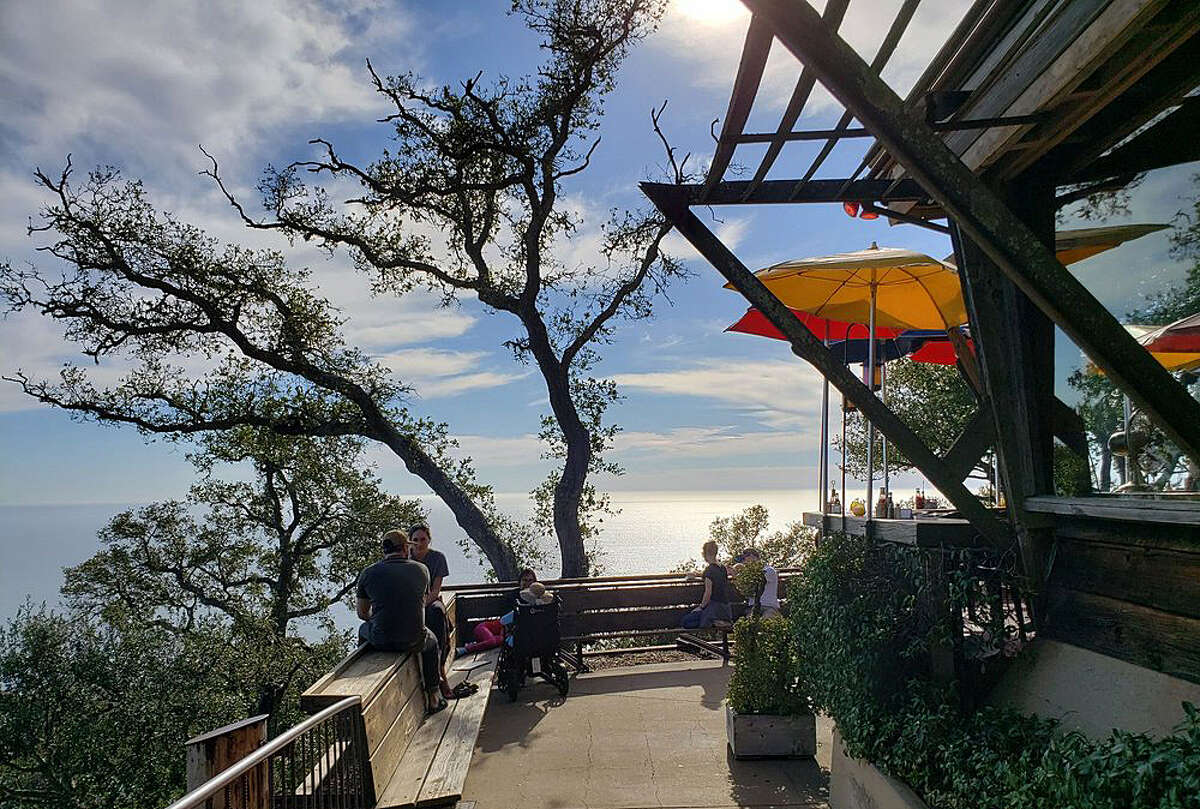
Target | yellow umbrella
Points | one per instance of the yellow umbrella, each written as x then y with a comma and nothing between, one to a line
906,290
1173,360
1071,246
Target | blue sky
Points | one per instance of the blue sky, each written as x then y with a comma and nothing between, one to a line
140,85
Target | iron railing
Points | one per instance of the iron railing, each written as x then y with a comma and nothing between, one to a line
321,763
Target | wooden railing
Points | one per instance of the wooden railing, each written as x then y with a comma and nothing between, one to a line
320,763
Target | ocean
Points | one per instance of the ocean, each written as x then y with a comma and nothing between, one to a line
653,532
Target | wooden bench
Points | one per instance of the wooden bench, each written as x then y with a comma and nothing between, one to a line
415,761
602,610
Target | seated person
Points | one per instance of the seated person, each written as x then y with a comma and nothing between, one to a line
526,578
769,601
714,605
391,602
420,541
490,634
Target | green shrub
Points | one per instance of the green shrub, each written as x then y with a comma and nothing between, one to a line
750,581
765,676
863,629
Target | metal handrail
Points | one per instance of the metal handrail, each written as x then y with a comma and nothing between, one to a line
212,786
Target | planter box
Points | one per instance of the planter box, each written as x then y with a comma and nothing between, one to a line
769,736
858,784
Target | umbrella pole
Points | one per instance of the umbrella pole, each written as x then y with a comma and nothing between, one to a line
883,375
842,498
823,503
870,374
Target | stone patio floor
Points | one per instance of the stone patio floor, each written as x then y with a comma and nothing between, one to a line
627,738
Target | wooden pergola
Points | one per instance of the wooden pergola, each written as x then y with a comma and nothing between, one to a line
1028,106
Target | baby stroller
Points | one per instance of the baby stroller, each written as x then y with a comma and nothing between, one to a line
535,634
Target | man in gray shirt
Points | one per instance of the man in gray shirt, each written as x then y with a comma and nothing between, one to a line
391,602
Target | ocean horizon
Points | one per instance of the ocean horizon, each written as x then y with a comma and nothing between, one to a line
653,531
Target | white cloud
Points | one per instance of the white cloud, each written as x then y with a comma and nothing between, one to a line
777,393
707,442
148,81
435,373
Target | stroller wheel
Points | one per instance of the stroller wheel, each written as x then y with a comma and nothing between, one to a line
562,679
512,685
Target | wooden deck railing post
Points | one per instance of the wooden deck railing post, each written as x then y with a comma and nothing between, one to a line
214,752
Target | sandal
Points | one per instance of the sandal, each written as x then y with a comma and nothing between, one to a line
464,689
441,706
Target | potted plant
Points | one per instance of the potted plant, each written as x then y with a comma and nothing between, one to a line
766,713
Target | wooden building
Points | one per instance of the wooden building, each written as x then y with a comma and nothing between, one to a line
1028,106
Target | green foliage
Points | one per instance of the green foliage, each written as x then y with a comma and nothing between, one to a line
1070,472
780,549
750,581
931,399
765,677
863,639
93,717
260,561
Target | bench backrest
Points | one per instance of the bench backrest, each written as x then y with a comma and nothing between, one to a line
601,608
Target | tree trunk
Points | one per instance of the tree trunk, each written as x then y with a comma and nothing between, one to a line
468,515
569,489
1105,467
567,494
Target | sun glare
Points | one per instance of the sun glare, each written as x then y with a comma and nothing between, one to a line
711,12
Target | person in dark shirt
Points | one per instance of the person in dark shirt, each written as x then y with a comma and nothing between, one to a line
390,599
714,605
435,609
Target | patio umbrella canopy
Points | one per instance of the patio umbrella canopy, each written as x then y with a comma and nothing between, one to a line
920,345
1176,346
912,290
755,322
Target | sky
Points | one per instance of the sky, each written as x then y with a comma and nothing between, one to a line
140,86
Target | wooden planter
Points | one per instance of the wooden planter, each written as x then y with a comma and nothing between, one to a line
770,736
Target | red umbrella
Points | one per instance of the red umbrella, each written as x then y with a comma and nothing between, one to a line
938,352
1180,337
756,323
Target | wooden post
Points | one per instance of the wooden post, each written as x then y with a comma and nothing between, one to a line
214,752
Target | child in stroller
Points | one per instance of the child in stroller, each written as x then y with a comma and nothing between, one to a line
531,632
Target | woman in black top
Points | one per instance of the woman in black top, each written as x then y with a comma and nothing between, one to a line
714,606
435,609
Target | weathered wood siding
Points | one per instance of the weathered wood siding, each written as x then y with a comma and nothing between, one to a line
1128,590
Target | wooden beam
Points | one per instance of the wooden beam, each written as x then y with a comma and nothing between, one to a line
835,11
1013,380
808,347
1069,428
976,438
1174,139
1164,85
921,532
987,220
778,192
1156,639
1120,508
1148,39
745,87
886,49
